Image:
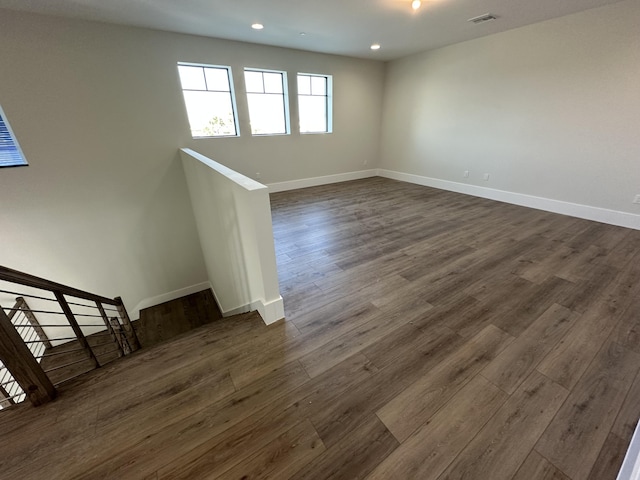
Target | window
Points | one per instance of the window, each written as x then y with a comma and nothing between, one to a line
209,99
10,152
268,102
314,103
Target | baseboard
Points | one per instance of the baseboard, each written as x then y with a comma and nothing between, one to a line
167,297
315,181
603,215
271,311
234,311
630,469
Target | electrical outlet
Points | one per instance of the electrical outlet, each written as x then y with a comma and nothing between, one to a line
257,175
466,174
636,199
486,177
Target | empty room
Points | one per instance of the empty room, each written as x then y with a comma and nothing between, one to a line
385,239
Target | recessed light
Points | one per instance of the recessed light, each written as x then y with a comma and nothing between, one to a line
416,4
257,26
302,34
375,46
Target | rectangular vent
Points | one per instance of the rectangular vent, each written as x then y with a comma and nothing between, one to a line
487,17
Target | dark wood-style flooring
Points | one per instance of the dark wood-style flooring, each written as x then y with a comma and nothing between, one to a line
429,335
157,324
163,322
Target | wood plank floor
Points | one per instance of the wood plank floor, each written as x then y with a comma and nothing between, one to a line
157,324
429,335
161,323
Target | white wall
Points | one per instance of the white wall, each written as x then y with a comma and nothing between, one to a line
99,114
233,215
549,110
354,145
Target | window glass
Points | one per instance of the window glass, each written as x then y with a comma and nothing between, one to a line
304,85
192,78
318,85
217,79
272,83
314,103
268,102
209,99
253,81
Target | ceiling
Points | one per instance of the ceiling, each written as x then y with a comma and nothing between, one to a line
344,27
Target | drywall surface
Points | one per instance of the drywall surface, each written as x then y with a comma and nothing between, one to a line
354,145
550,110
99,114
233,216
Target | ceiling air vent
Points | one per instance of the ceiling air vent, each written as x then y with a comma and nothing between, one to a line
487,17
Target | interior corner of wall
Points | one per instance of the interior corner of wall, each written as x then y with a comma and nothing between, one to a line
134,313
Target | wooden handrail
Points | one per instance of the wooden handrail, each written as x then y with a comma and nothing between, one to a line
71,318
5,398
129,331
19,360
16,355
15,276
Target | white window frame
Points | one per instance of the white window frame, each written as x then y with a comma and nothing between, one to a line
328,100
17,158
285,100
231,92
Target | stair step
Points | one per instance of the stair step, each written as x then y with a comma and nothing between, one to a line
162,322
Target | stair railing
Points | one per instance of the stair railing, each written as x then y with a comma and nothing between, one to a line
58,334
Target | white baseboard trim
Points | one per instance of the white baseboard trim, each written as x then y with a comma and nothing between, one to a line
315,181
271,311
234,311
603,215
167,297
630,469
231,312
